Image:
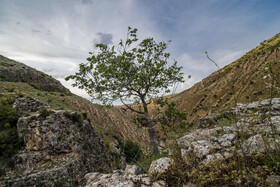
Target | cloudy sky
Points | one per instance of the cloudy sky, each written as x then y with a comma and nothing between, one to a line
55,36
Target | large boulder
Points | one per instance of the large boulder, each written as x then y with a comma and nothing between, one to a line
60,148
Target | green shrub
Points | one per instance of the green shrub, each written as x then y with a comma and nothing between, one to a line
44,113
74,116
10,143
236,171
132,151
177,174
4,78
87,146
145,161
7,113
11,89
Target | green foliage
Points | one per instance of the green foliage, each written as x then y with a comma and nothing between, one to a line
132,151
10,143
145,161
74,116
11,89
225,122
177,174
271,161
232,172
7,113
125,71
88,146
44,113
4,78
170,116
131,70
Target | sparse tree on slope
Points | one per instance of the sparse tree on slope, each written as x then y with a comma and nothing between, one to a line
131,70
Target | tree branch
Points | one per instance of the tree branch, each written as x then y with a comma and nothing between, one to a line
130,108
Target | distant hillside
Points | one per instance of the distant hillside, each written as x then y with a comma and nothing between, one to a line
19,80
11,70
241,81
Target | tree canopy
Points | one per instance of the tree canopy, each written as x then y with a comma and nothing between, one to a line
131,70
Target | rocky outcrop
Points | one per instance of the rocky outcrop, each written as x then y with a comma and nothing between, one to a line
28,105
256,123
160,166
60,148
130,177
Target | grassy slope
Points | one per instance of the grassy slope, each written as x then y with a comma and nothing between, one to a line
241,81
108,121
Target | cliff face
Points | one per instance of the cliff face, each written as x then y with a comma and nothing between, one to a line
60,147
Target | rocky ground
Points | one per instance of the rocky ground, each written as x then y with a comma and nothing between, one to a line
60,148
256,122
255,125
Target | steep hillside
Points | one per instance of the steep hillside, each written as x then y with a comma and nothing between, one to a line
14,71
19,80
247,79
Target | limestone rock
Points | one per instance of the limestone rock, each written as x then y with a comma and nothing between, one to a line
132,170
128,178
58,150
160,166
252,121
28,105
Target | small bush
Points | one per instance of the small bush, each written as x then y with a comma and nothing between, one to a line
32,118
235,171
10,143
4,78
11,89
87,146
177,174
145,161
44,113
74,116
132,152
7,113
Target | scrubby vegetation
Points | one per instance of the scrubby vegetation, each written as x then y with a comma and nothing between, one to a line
44,113
132,152
74,116
10,143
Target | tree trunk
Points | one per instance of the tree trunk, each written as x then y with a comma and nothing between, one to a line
151,131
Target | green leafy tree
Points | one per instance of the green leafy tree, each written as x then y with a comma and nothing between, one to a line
130,70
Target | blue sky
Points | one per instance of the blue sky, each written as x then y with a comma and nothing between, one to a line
55,36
